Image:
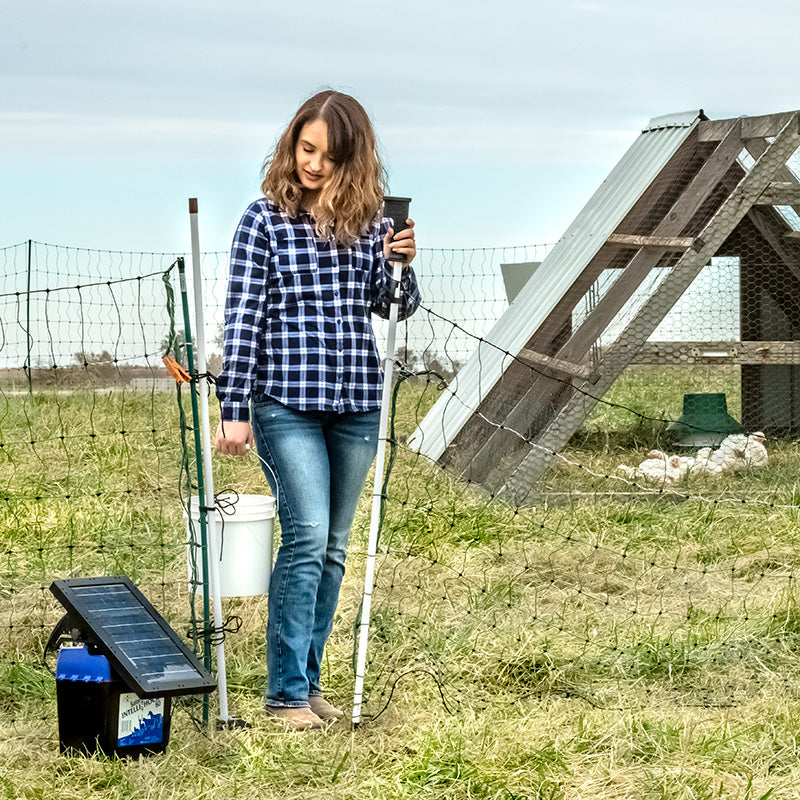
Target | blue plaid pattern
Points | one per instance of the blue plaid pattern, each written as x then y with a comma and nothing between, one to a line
297,315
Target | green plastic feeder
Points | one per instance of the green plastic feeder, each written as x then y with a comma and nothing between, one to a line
705,421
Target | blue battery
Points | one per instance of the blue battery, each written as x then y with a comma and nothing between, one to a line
78,664
98,712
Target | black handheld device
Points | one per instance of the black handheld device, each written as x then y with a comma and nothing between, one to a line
396,208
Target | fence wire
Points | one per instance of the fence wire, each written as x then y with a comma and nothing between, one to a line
618,587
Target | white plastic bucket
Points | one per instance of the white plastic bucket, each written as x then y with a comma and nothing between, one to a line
244,530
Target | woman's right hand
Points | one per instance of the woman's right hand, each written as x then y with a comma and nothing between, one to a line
235,439
404,243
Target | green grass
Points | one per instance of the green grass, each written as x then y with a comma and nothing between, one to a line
609,641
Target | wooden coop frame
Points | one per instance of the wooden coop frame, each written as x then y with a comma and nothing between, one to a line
681,196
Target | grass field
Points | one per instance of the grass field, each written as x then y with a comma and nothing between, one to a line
612,641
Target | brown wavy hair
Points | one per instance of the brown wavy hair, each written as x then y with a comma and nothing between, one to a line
352,198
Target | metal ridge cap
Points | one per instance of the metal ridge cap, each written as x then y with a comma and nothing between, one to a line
681,119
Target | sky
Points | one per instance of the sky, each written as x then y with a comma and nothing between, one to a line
499,119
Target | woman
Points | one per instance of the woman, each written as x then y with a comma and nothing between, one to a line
301,373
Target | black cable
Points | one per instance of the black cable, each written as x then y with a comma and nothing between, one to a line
215,634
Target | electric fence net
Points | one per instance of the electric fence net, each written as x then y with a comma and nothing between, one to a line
609,581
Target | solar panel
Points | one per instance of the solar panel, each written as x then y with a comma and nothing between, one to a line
135,638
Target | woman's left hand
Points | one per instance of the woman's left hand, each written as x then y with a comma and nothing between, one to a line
404,243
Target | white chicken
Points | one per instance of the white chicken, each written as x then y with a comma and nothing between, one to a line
736,452
658,467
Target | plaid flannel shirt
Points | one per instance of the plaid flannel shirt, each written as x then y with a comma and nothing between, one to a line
297,315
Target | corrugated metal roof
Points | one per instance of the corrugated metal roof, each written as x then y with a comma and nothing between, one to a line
563,265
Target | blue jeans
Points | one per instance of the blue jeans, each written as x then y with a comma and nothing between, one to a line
321,460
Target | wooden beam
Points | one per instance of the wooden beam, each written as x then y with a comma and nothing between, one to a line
764,218
756,148
666,242
780,193
562,369
780,352
714,130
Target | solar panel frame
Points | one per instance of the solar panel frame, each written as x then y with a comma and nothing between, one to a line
110,608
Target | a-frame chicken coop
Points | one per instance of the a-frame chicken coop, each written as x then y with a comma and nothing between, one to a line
689,191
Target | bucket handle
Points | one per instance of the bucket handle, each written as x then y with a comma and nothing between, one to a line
271,471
